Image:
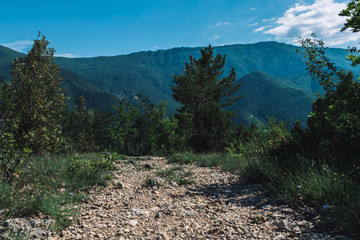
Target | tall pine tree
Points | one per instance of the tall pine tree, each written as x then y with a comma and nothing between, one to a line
204,93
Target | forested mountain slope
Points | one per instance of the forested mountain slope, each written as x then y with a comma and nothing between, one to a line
275,81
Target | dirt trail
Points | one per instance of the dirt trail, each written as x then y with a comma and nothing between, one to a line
214,206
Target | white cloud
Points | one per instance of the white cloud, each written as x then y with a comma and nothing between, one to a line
19,45
253,24
219,24
252,9
320,18
269,20
214,37
67,55
261,29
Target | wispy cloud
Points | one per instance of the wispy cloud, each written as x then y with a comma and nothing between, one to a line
253,24
19,45
261,29
219,24
66,55
252,9
320,18
214,37
269,19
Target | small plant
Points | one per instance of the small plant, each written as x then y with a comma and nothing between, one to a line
186,158
153,182
176,174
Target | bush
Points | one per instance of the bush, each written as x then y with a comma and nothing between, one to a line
10,158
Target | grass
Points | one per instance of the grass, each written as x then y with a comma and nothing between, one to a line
175,174
224,161
50,185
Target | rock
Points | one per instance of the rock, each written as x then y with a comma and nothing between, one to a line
173,184
283,224
138,211
119,185
190,213
257,219
163,236
133,222
148,166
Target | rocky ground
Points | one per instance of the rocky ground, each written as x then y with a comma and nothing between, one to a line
142,203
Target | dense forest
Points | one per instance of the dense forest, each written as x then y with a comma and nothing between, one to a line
317,165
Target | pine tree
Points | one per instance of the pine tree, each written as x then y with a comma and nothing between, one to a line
204,95
81,127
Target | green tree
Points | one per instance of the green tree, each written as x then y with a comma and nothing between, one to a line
164,131
204,95
132,128
6,104
38,100
81,128
353,24
335,119
142,128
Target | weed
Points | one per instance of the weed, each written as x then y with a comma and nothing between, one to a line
50,184
176,174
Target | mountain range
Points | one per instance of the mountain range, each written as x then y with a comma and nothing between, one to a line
273,75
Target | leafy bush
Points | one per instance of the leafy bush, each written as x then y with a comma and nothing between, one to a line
10,158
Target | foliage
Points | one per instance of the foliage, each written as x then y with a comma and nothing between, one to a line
142,128
176,174
258,142
82,128
203,96
164,131
333,128
353,23
51,184
38,101
10,157
225,162
7,104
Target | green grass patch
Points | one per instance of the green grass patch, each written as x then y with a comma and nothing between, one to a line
51,184
333,195
225,161
177,174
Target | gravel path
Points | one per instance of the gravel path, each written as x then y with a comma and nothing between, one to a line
215,206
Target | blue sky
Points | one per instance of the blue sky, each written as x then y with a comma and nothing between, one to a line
80,28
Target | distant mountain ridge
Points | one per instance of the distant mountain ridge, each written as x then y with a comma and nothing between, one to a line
275,81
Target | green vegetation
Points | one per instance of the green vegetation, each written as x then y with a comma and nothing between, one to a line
51,184
38,102
34,178
204,123
141,128
175,174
